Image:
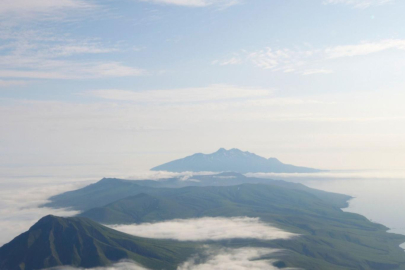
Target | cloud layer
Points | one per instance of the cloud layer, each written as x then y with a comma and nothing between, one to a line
122,265
19,201
211,93
41,6
359,3
206,228
235,259
196,3
212,258
309,61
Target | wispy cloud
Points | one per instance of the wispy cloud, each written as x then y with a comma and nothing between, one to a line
359,3
196,3
236,259
37,55
8,83
122,265
20,200
207,228
203,94
316,71
211,258
71,70
365,48
308,61
277,60
40,6
236,60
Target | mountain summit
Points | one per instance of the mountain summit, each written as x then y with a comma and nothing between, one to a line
80,242
233,160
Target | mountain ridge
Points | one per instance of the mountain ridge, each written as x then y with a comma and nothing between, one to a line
80,242
233,160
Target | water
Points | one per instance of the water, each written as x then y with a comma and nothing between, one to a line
379,196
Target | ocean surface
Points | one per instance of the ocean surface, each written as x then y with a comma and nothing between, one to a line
377,195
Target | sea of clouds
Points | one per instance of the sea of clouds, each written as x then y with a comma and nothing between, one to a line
206,228
21,198
214,259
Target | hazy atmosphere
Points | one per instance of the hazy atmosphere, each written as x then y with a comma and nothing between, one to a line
132,84
202,134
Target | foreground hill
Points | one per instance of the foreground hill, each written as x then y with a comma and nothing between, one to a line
330,238
80,242
233,160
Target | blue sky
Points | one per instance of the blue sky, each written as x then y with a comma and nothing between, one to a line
131,84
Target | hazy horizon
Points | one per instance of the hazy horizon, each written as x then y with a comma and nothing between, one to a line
133,84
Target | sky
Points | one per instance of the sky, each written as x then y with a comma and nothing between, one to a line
104,87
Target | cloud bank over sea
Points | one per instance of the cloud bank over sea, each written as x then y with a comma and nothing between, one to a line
206,228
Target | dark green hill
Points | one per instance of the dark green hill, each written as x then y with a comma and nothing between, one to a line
140,208
109,190
330,238
80,242
190,202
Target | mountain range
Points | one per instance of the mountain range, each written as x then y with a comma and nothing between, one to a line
233,160
329,237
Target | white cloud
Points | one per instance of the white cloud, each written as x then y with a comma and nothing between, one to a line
203,94
365,48
122,265
45,56
41,6
7,83
317,71
309,61
19,201
132,131
283,59
211,258
196,3
207,228
71,70
273,59
359,3
366,174
236,60
235,259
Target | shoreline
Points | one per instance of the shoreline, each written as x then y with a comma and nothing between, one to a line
390,230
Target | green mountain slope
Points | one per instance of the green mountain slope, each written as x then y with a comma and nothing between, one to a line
140,208
80,242
331,238
189,202
109,190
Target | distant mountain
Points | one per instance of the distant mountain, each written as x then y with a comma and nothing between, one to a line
80,242
233,160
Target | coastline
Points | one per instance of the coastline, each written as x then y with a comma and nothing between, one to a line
389,230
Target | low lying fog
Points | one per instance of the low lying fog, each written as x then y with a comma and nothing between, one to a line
218,259
206,228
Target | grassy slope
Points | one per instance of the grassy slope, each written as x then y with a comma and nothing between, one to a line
109,190
331,238
80,242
